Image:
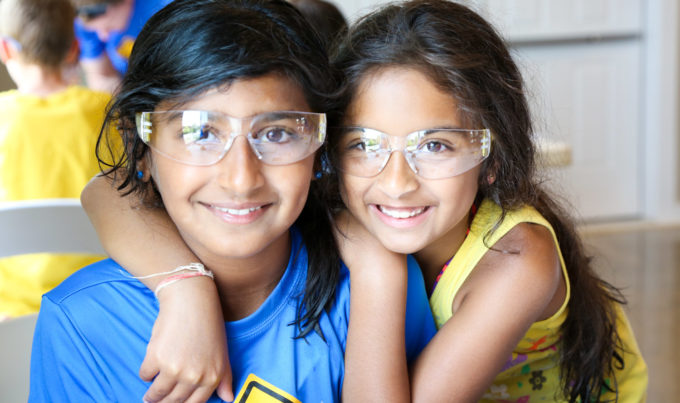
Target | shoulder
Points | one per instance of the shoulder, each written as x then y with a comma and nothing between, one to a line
88,97
524,264
8,96
105,281
143,10
527,251
91,336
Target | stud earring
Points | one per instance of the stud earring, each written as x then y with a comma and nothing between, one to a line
140,174
318,175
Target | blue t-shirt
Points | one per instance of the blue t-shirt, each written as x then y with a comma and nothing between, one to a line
93,330
119,43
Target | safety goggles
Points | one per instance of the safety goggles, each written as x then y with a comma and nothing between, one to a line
91,11
430,153
204,138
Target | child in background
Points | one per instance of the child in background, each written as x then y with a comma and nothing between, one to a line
48,132
435,158
219,117
106,31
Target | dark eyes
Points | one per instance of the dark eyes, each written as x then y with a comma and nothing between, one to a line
274,135
435,147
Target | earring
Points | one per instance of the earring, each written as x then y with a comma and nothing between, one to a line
140,174
318,175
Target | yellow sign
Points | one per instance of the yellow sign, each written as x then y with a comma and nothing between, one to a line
256,390
125,47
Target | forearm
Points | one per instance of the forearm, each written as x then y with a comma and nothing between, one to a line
146,242
143,240
375,357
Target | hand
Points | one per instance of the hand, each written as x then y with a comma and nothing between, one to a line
375,355
187,356
360,249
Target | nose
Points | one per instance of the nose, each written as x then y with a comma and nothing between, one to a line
397,179
240,171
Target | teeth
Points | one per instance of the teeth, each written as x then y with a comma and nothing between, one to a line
238,211
401,213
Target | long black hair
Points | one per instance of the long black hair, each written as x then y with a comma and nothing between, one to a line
192,46
465,57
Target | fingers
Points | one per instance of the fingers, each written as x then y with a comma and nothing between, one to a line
165,389
224,388
149,369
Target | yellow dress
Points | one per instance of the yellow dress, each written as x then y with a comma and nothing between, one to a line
46,151
532,372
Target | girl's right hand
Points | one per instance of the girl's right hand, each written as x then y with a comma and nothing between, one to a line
375,355
361,250
187,355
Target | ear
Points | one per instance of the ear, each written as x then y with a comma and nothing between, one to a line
490,173
143,168
8,50
73,53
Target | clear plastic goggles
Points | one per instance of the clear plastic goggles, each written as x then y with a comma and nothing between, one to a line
204,138
431,153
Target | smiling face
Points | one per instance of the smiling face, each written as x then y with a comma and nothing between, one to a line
407,213
237,208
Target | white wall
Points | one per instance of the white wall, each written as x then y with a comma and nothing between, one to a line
662,176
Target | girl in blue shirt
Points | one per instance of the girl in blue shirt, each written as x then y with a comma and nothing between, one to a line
220,124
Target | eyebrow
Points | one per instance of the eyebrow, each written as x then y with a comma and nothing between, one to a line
450,127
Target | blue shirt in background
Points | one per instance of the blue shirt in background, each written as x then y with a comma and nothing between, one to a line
119,44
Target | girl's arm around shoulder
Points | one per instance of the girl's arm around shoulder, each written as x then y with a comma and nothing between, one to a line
145,241
518,282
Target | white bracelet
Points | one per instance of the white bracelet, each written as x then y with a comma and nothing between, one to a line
196,270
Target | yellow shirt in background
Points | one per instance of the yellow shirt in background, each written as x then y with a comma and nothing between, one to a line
46,151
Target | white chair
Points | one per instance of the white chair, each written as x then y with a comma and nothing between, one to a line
34,226
49,225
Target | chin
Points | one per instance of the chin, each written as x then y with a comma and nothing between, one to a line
401,245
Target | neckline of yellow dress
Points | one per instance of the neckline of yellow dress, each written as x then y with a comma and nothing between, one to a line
487,211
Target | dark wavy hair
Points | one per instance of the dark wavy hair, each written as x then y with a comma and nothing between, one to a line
325,17
465,57
192,46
